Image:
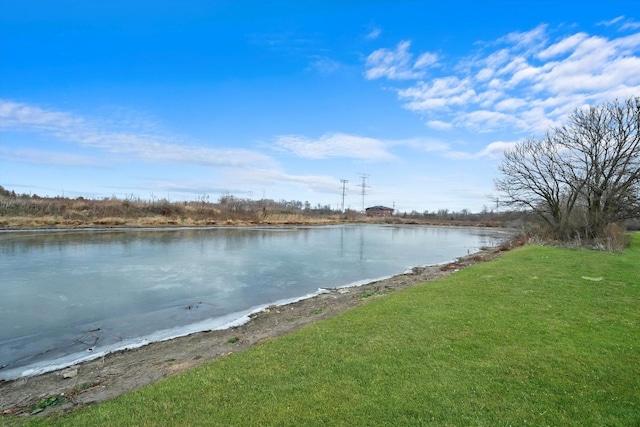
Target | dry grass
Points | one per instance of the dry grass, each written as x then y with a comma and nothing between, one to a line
19,212
59,212
283,218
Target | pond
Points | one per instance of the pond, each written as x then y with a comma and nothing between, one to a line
68,296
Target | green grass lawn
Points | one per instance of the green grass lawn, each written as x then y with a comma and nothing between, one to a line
541,336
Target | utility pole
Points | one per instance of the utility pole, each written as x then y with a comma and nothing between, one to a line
364,186
344,183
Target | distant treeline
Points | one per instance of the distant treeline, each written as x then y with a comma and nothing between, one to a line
24,210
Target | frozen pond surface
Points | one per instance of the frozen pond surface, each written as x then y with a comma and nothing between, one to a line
66,296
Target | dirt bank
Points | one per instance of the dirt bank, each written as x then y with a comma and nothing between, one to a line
117,373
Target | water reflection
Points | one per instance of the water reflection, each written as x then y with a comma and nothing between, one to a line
66,292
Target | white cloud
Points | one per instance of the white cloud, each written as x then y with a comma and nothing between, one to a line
439,94
631,25
424,144
373,34
333,145
485,74
147,146
510,104
261,177
41,157
324,65
563,46
595,65
21,116
398,64
439,125
611,21
538,118
528,39
622,23
497,59
425,60
489,97
527,81
523,75
240,168
495,149
487,121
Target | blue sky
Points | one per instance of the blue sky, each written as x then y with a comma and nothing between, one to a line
283,99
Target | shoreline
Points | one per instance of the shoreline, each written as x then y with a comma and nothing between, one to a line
119,372
14,223
34,363
231,320
239,225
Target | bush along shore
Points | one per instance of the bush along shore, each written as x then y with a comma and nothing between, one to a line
541,335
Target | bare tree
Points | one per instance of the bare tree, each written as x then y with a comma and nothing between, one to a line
582,176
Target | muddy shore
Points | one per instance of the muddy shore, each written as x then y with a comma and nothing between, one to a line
120,372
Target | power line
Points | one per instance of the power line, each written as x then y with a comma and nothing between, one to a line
364,187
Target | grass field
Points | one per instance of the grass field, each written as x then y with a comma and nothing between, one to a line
541,336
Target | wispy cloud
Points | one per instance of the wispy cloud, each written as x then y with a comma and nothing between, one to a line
373,34
429,145
525,40
440,93
496,148
611,22
398,64
622,22
565,45
630,25
32,118
43,157
524,81
324,65
285,42
261,177
493,150
335,145
439,125
201,188
153,147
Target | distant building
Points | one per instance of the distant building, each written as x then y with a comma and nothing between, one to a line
379,211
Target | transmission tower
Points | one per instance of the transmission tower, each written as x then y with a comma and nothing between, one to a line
364,187
344,188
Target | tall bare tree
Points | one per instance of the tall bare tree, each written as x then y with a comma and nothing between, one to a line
582,176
